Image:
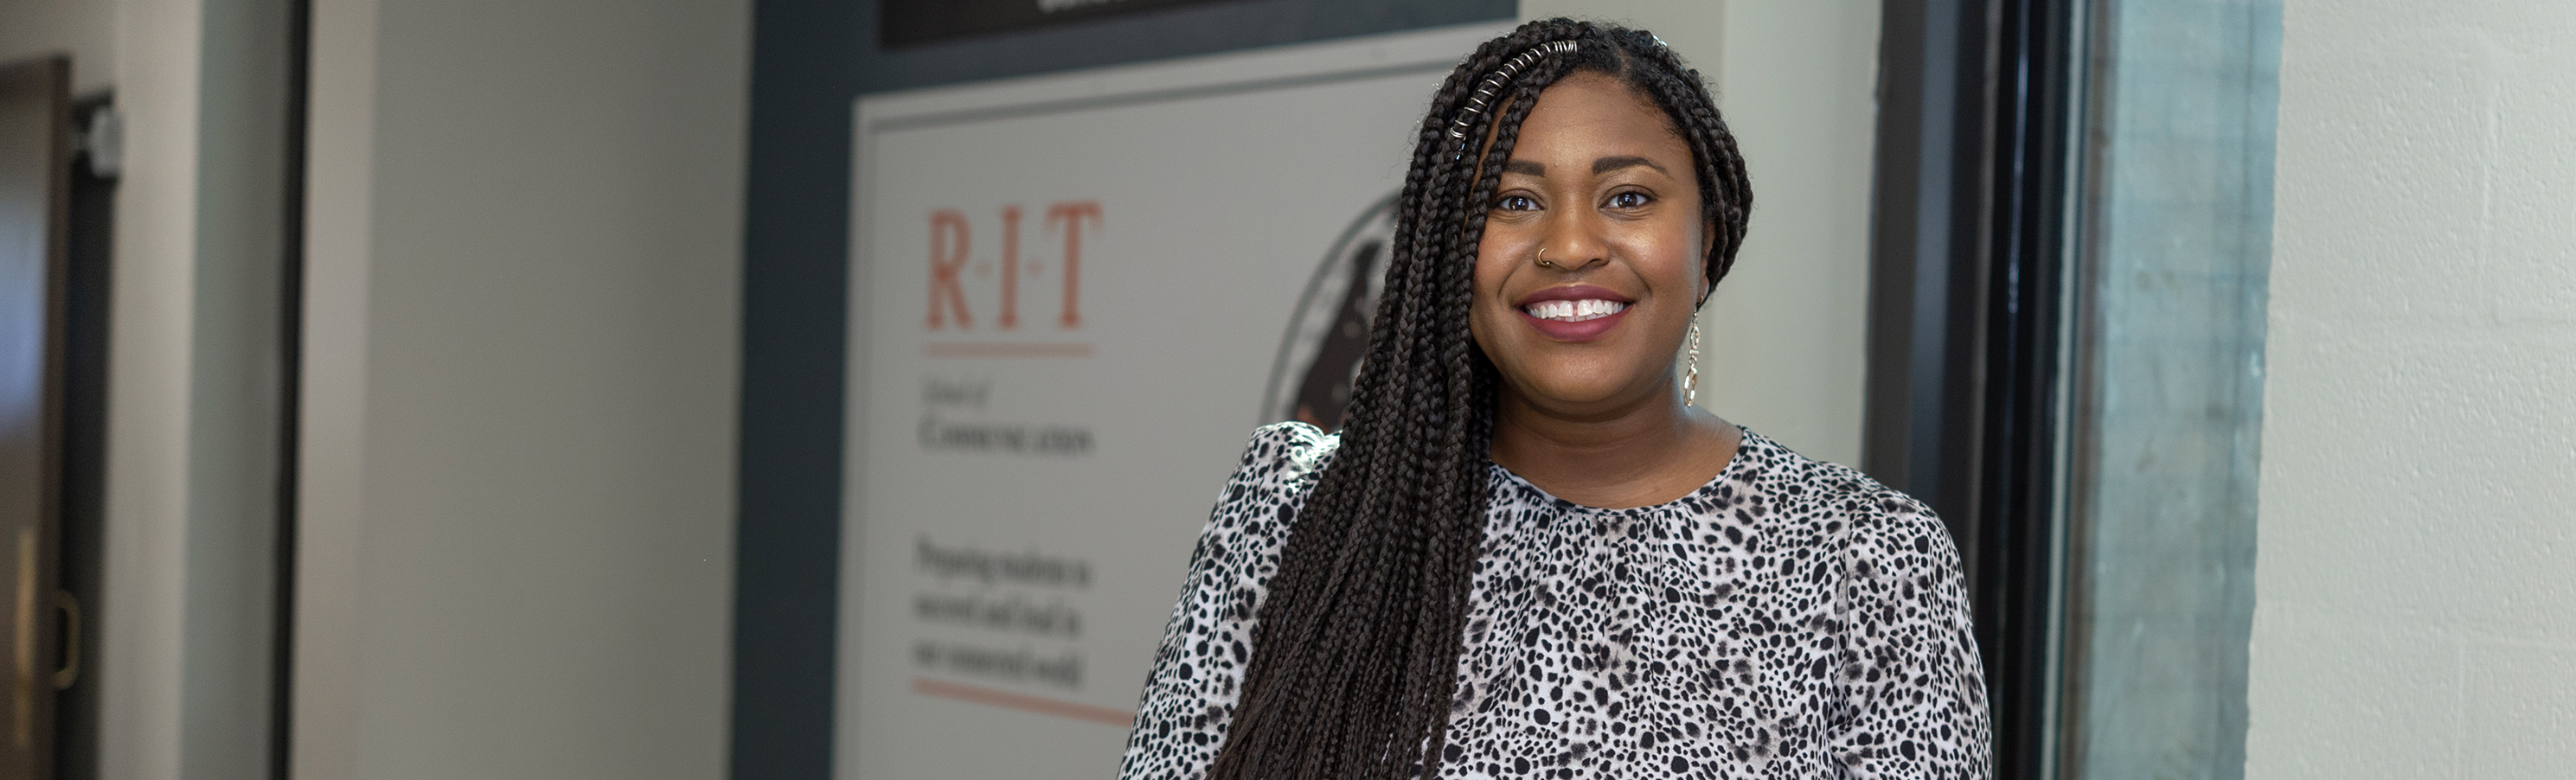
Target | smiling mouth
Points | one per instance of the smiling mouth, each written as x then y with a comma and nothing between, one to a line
1575,310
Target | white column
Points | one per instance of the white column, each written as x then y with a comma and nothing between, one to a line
194,391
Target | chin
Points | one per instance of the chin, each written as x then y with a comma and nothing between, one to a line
1578,392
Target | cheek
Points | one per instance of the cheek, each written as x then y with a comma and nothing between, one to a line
1490,273
1673,262
1492,267
1483,314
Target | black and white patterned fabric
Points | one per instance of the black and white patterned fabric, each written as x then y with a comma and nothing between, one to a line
1791,618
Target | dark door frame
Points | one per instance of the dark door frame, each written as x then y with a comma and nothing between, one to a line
44,84
290,415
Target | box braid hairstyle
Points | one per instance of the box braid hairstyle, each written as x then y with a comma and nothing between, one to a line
1357,643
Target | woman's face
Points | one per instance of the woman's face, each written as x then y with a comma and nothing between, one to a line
1601,183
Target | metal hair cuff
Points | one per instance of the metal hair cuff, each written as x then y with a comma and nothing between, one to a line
1484,96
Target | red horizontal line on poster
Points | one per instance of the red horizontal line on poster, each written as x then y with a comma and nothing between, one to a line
1006,349
1022,702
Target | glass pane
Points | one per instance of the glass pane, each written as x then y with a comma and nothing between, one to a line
2168,395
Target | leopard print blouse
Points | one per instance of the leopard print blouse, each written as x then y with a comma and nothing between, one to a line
1791,618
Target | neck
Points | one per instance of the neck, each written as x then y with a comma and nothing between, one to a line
1640,452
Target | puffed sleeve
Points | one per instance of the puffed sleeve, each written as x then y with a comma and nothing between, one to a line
1911,691
1190,695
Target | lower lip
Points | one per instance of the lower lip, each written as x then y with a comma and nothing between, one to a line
1576,332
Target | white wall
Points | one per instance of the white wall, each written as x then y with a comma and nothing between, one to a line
521,336
2415,613
1783,339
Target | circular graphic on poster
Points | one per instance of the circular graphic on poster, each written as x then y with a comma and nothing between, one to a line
1310,380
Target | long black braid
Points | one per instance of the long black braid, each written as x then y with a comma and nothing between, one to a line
1356,648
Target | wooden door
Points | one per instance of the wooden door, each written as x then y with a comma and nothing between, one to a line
35,195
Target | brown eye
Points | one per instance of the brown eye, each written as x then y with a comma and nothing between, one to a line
1629,200
1515,203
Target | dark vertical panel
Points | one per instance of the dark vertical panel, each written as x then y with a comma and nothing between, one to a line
795,281
290,417
810,60
2018,515
1928,254
1967,259
84,528
1917,114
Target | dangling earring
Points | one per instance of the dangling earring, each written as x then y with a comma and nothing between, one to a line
1690,379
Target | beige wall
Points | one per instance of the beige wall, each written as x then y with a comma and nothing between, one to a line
1782,340
142,623
522,333
2415,613
84,29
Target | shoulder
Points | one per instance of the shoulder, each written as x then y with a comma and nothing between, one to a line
1280,463
1873,528
1903,666
1270,484
1199,669
1292,449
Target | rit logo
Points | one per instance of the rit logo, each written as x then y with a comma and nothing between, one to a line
953,265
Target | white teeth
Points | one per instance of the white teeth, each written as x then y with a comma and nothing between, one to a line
1575,310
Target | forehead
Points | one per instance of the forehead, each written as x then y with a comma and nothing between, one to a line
1588,115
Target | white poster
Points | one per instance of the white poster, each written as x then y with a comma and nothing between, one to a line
1073,298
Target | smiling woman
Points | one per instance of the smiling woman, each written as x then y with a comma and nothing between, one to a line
1584,343
1525,553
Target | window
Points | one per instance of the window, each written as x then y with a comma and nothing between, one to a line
2070,240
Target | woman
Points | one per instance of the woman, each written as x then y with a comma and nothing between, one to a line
1526,553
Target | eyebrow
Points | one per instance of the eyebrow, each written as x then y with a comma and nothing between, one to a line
1600,166
1608,164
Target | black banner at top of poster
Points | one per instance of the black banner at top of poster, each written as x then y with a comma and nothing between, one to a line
902,23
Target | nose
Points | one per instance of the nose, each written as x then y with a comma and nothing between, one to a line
1573,240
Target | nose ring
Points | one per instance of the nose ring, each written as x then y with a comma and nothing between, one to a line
1542,259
